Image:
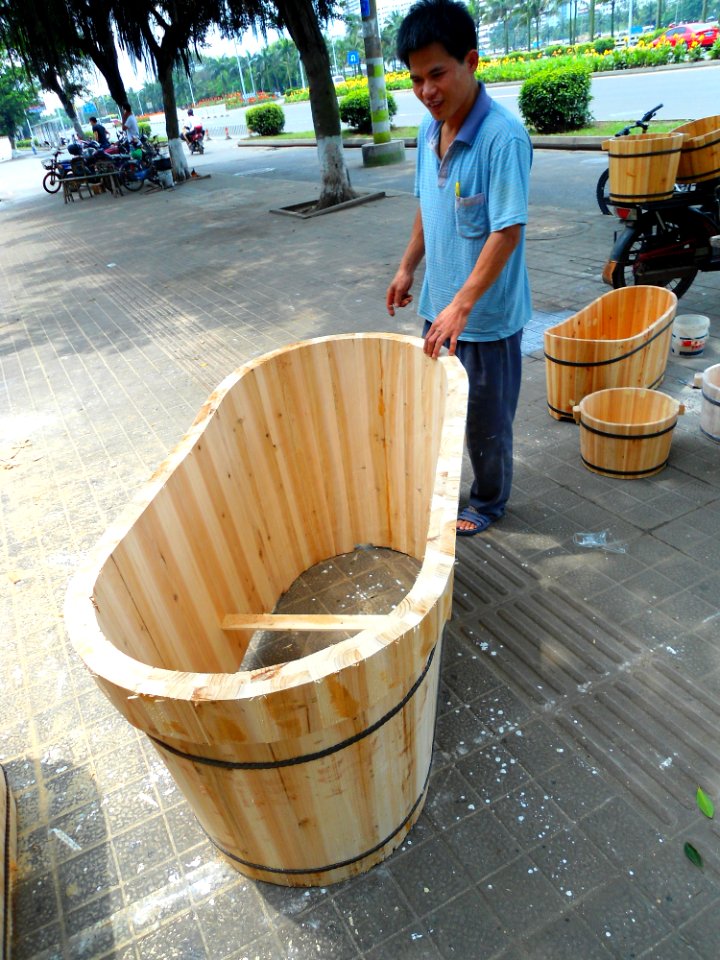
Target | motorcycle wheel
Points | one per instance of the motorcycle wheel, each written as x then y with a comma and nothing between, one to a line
128,176
640,242
602,194
201,148
52,182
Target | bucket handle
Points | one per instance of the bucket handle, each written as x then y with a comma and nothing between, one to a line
697,380
576,413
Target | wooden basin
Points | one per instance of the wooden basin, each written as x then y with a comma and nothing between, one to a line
310,771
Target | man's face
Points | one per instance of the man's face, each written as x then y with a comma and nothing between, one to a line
445,86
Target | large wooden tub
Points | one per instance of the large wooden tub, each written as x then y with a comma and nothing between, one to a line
309,771
622,339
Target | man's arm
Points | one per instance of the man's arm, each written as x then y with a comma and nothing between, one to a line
451,321
398,293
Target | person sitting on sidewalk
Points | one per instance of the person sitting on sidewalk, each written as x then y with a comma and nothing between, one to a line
472,180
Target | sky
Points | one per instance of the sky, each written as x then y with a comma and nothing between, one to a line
135,75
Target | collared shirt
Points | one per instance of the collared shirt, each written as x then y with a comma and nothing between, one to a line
481,185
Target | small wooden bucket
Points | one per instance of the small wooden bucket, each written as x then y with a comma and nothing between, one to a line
622,339
700,155
310,771
626,433
709,382
643,167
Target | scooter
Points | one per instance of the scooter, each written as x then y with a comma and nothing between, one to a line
667,243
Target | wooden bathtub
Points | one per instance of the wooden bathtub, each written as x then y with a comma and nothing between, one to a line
310,771
622,339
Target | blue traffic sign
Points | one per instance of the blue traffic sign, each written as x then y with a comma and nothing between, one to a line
353,58
364,8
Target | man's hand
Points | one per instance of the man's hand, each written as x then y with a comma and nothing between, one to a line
448,325
398,293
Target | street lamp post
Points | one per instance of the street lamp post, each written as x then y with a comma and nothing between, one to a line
239,65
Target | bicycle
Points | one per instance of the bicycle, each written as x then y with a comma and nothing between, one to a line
602,194
57,171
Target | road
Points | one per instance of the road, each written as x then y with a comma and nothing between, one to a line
687,93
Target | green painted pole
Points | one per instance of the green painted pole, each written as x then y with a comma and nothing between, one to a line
379,113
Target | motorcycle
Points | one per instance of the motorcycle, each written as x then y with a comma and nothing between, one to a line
667,243
195,140
601,190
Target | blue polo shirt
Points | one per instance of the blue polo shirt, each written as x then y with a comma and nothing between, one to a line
480,185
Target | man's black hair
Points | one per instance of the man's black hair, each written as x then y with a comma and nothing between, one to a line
437,21
93,119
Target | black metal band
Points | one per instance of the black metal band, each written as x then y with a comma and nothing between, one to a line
651,153
710,436
623,473
702,146
306,757
7,866
296,871
715,403
604,363
639,199
626,436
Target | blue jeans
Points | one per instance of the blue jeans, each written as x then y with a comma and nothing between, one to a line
494,370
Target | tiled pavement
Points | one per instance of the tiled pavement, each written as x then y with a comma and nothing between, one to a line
580,687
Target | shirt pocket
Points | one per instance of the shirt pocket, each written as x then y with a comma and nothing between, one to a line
471,216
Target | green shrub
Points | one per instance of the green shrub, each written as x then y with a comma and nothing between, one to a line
268,120
144,128
557,99
555,50
355,110
22,144
714,51
603,43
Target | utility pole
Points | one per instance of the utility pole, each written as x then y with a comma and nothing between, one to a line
383,150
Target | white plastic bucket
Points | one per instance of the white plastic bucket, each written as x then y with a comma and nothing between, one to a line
710,410
689,335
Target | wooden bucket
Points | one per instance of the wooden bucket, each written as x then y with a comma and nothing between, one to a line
709,382
643,167
310,771
622,339
626,432
700,155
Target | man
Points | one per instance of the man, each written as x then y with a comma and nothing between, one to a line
100,133
473,168
129,123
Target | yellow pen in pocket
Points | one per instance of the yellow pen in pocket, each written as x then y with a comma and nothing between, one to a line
457,188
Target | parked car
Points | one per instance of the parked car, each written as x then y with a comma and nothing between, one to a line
703,33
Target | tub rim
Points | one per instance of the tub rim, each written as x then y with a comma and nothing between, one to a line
141,680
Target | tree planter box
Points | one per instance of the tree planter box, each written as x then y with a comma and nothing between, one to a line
306,772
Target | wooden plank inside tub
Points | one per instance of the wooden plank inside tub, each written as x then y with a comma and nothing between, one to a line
299,621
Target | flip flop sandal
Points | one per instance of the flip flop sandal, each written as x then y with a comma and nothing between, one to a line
471,515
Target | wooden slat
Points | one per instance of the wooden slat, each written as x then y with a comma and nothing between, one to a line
301,621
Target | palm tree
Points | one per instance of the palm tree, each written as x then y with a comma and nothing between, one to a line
495,11
388,36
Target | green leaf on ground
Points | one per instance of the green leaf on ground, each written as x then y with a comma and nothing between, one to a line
705,804
692,855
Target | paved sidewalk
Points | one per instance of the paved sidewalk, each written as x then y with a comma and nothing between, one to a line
579,708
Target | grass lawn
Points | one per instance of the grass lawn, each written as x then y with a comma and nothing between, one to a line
607,128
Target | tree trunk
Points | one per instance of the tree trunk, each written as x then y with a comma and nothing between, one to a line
178,157
301,21
102,51
51,81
